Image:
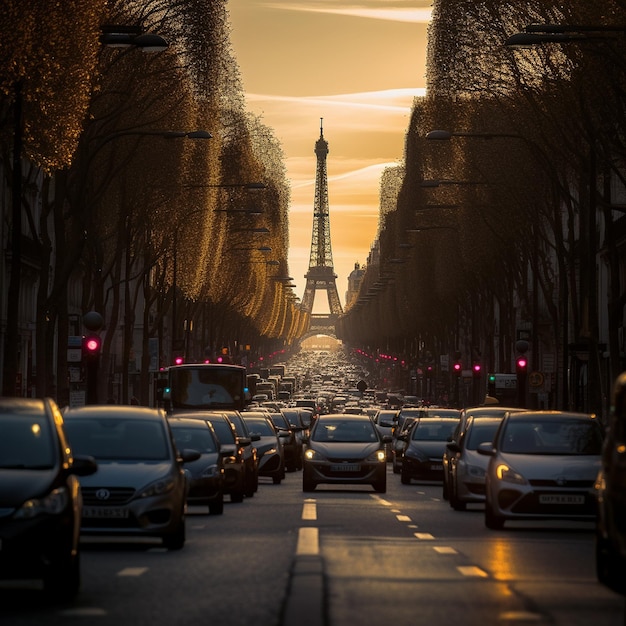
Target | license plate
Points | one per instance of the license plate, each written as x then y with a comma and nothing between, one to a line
105,512
436,466
345,467
561,499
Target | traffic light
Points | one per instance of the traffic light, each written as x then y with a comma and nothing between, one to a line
91,347
477,370
521,365
429,371
457,368
521,369
491,384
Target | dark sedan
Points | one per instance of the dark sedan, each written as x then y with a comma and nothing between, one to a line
345,449
40,498
205,476
424,445
140,487
269,446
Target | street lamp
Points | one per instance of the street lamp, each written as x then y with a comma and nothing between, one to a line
122,36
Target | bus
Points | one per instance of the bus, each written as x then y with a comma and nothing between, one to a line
204,387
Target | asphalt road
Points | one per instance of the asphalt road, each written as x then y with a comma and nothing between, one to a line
339,556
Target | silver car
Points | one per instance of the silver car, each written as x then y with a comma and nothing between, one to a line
467,481
543,465
140,486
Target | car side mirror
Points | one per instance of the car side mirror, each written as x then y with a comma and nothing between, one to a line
486,448
188,455
453,446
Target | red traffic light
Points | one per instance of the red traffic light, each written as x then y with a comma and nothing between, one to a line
476,370
521,363
458,368
91,346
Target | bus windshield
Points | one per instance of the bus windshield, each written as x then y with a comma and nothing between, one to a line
206,387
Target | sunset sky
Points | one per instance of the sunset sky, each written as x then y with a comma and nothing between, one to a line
358,65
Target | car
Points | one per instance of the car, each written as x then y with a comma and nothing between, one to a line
140,487
300,421
40,498
449,456
543,465
385,420
467,481
345,449
234,449
292,448
424,443
610,535
246,441
205,475
406,416
269,447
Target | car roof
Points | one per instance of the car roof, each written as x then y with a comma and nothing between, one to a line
530,416
186,421
115,411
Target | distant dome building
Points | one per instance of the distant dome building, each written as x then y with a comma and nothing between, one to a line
354,283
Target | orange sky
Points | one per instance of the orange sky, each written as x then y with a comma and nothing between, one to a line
358,65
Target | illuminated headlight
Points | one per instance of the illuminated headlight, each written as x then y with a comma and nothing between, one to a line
211,472
270,451
378,456
475,471
312,455
229,460
509,475
158,488
52,504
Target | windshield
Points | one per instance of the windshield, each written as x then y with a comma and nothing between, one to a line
558,437
26,442
118,439
433,430
206,387
223,430
349,430
199,439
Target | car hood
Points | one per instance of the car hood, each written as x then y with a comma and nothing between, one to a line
17,486
533,466
126,473
349,450
430,448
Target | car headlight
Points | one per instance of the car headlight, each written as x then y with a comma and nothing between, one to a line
378,457
230,460
509,475
475,471
52,504
212,471
270,451
416,454
313,455
157,488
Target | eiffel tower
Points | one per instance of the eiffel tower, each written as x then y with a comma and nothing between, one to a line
321,274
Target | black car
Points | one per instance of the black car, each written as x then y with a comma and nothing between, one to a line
611,495
424,445
40,498
291,446
250,456
205,476
269,446
234,461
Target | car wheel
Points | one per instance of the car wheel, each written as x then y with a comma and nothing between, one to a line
217,506
277,479
444,490
250,485
380,486
610,567
176,539
236,496
61,580
395,465
308,485
405,477
492,521
455,503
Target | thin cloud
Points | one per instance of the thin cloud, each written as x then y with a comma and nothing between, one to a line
395,14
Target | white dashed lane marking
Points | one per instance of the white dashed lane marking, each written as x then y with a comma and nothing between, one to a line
132,571
309,510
